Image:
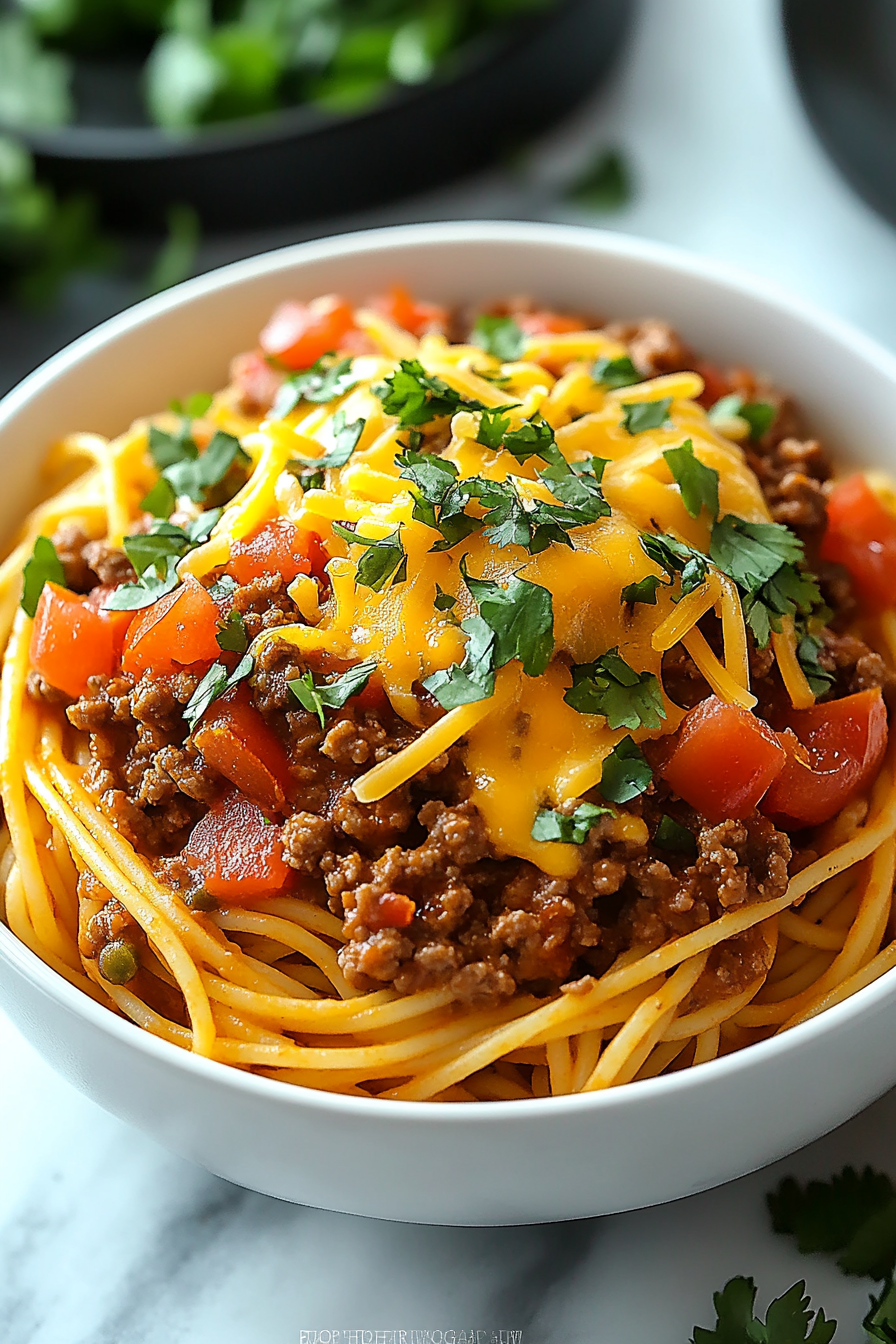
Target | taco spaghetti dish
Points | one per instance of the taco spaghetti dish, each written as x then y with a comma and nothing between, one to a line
458,706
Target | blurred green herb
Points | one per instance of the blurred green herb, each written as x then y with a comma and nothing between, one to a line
604,184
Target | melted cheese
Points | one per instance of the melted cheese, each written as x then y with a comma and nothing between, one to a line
524,748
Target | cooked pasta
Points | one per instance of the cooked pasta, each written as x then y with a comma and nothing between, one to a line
455,720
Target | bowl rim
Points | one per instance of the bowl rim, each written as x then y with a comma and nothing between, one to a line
76,141
661,256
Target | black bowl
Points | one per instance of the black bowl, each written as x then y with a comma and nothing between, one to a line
302,163
844,58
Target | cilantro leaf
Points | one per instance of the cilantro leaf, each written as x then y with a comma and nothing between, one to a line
619,372
232,636
195,406
166,448
579,488
676,557
626,773
521,616
150,586
761,558
880,1323
194,476
161,500
383,560
643,415
43,566
474,678
852,1213
644,590
216,681
608,686
499,336
327,379
789,1319
759,415
346,438
318,696
444,601
699,484
808,649
440,499
670,835
492,427
417,397
571,830
534,438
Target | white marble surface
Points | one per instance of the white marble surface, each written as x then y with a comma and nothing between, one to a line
106,1239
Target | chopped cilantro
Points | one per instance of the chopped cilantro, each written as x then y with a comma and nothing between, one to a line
808,649
150,586
619,372
522,617
676,557
417,397
571,830
626,773
609,686
440,499
345,440
154,555
187,471
534,438
216,681
161,500
699,484
678,839
642,415
318,696
43,566
166,448
789,1319
232,636
759,415
762,560
444,601
195,406
578,486
383,560
852,1213
492,427
327,379
499,336
513,622
644,590
474,678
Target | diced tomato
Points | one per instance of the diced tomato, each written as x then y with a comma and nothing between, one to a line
725,760
238,852
392,912
234,738
119,621
299,333
833,754
255,380
545,323
70,641
412,314
177,631
276,548
861,534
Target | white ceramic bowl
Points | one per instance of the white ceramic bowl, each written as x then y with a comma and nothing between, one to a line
506,1162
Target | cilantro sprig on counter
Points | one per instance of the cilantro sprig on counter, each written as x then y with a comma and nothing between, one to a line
43,566
790,1318
572,829
328,378
418,397
316,696
609,686
513,622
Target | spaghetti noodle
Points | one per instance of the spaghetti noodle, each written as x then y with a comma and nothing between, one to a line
453,721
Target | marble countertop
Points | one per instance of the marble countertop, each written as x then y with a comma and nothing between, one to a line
107,1239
